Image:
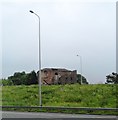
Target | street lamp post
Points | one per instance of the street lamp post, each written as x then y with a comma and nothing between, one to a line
80,67
39,75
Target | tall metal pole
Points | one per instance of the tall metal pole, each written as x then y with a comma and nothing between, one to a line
81,67
39,75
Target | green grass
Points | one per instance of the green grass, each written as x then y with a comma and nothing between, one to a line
74,95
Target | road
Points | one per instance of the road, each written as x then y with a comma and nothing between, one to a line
53,116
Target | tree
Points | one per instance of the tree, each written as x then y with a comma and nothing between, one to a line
6,82
112,78
21,78
32,78
15,78
84,81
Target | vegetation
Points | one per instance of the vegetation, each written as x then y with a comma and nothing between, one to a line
61,95
22,78
112,78
21,90
84,81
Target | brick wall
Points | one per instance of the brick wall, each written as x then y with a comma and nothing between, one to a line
58,76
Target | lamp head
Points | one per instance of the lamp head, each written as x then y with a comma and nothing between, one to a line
31,11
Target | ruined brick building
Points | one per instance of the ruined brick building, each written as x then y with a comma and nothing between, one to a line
51,76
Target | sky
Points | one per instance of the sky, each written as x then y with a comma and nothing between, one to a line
67,29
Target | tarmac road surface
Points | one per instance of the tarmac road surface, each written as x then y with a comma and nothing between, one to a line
55,116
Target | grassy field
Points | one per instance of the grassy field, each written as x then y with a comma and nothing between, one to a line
61,95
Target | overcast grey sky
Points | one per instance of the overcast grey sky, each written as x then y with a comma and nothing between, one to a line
67,29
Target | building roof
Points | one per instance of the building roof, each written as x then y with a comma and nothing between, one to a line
55,69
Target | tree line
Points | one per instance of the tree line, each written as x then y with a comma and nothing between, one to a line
23,78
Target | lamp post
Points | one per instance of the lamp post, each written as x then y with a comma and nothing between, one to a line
80,66
39,75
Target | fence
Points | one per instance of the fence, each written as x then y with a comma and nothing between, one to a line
63,108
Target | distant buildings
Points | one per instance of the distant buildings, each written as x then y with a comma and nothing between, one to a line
51,76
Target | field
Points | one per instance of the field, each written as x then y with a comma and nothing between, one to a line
74,95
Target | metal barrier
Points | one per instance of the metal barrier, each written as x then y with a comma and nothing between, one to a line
63,108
